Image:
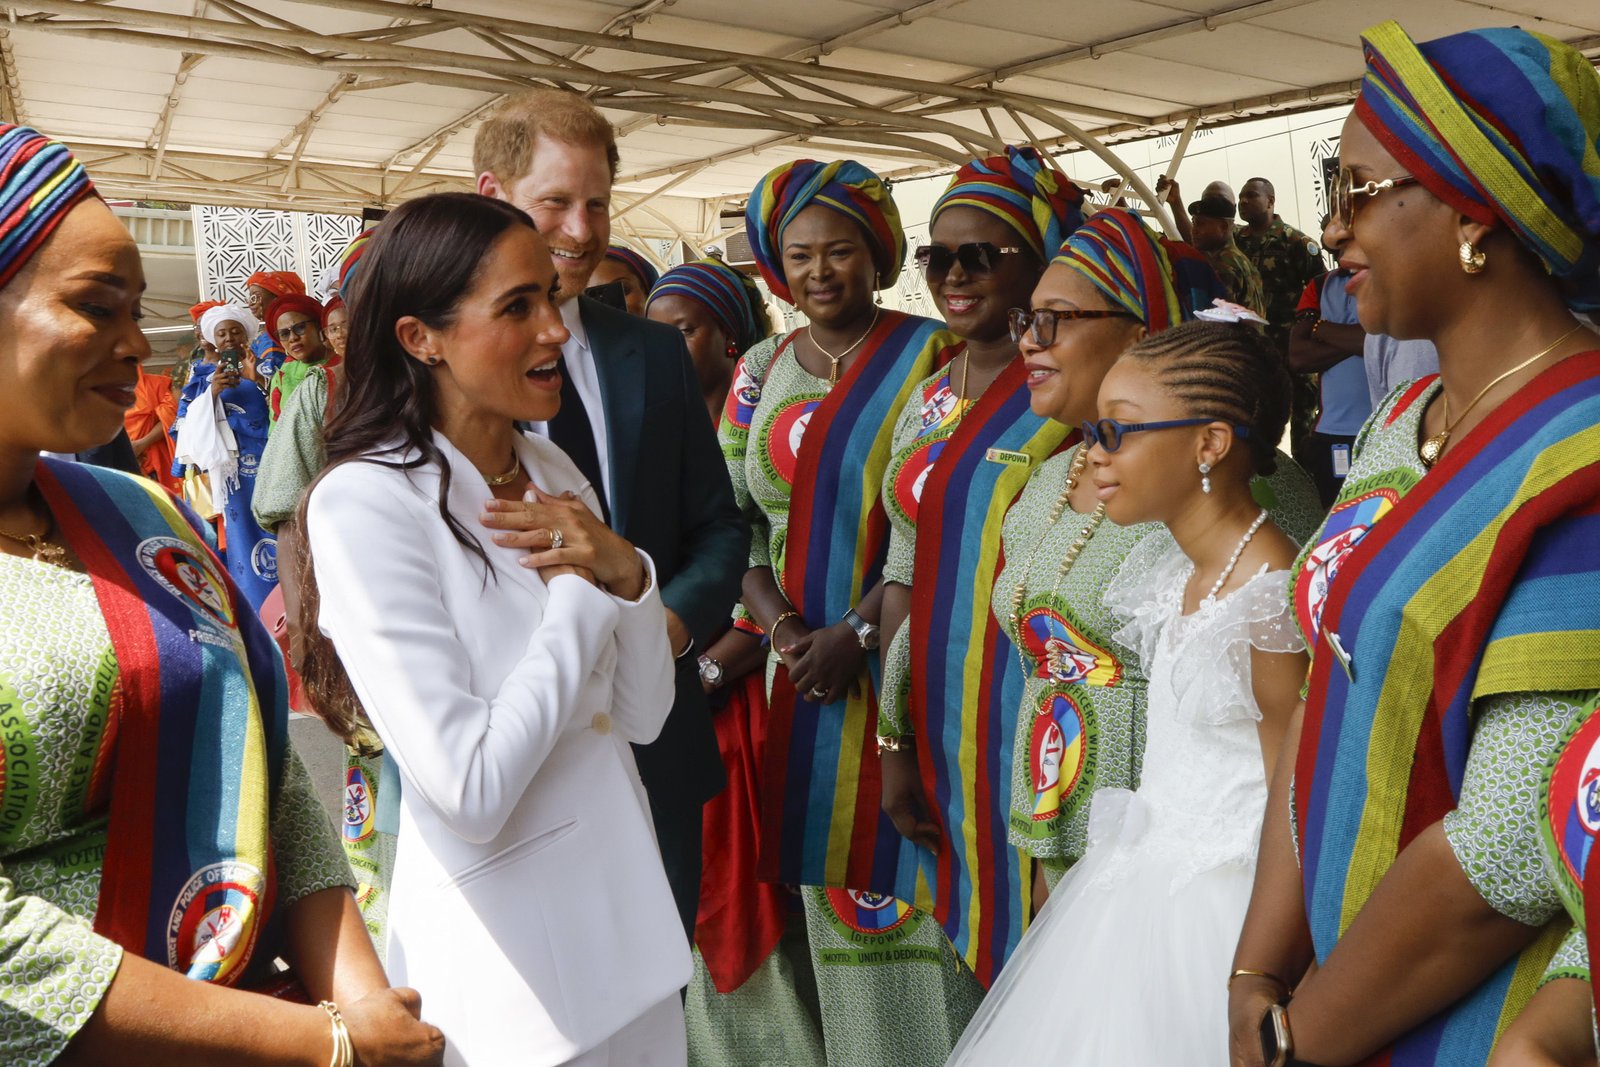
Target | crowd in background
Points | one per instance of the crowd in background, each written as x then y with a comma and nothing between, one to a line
975,690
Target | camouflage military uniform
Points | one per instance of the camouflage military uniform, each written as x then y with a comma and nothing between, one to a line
1286,259
1240,277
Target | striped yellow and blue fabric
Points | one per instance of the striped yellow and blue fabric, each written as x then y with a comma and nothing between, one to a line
1502,124
199,737
1482,580
1022,190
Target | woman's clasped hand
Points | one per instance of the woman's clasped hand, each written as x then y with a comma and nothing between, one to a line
563,536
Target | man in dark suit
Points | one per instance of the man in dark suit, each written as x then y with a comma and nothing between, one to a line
633,420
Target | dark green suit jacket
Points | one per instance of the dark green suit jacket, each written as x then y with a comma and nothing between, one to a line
670,496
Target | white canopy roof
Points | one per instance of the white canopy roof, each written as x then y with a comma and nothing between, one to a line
341,104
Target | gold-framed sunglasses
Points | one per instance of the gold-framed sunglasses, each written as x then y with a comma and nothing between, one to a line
1346,194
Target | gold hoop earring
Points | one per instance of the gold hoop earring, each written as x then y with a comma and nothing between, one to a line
1472,258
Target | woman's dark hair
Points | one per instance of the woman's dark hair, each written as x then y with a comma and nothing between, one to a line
424,257
1225,371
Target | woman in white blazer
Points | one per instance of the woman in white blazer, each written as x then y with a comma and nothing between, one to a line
506,672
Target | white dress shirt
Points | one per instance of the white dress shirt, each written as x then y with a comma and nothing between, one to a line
586,380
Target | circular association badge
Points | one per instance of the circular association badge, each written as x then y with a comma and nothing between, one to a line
868,913
743,397
1347,524
785,433
1065,655
1572,807
212,926
360,814
264,559
188,575
1057,752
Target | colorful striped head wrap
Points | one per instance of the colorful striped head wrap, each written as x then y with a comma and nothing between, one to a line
1024,192
1163,282
201,308
349,264
213,319
40,181
843,185
640,266
300,302
1504,126
277,282
721,290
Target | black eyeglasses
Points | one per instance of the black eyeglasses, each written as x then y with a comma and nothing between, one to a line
1108,433
1347,194
1040,324
297,330
975,257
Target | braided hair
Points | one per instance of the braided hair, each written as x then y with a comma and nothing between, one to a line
1229,372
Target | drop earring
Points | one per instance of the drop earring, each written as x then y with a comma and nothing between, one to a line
877,285
1472,258
1205,477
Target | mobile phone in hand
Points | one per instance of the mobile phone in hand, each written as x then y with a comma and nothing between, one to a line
230,359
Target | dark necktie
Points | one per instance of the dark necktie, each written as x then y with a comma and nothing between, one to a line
572,431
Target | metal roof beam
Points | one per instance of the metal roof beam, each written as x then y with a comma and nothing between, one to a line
484,64
12,107
1134,40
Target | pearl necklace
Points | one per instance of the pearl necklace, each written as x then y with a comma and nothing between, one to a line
1067,560
1233,560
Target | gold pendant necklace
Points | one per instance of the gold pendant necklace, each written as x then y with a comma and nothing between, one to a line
39,544
1433,447
1079,462
833,360
509,476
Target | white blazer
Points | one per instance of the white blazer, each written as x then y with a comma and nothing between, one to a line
528,904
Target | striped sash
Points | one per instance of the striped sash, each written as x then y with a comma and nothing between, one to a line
1481,580
821,787
197,734
966,692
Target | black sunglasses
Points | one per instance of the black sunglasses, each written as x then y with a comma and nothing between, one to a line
1040,323
297,330
1108,433
975,257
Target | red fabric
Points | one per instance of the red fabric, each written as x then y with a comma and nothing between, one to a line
305,305
1311,299
741,919
203,307
154,406
272,614
328,309
277,282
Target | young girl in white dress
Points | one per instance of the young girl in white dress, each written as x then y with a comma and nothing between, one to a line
1127,963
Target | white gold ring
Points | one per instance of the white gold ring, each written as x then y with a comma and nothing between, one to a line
556,539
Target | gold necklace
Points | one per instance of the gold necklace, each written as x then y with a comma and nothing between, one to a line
1067,560
39,544
509,476
833,360
1433,447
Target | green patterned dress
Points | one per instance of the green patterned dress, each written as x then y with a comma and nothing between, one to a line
57,673
1082,725
889,986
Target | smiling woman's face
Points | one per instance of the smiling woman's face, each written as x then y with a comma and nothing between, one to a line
1064,377
70,344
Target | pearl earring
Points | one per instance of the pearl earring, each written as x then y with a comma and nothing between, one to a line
1205,477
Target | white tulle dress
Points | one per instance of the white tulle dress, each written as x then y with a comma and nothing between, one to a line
1127,962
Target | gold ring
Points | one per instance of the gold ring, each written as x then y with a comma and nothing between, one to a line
556,540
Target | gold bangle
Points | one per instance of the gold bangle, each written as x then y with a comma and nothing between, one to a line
344,1053
894,744
772,631
1242,971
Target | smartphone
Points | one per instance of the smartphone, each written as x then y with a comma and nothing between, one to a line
230,359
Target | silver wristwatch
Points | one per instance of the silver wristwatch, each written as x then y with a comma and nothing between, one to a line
866,633
711,672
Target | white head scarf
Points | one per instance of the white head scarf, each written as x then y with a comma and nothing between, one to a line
213,318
